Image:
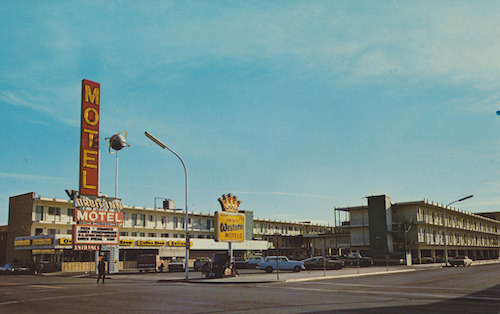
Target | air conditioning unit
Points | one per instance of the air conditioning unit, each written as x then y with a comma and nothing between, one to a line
168,204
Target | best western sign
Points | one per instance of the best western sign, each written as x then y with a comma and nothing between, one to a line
99,216
229,227
89,138
229,224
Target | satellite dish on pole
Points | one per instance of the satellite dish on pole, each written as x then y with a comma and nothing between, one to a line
117,141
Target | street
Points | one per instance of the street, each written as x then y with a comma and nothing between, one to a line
435,290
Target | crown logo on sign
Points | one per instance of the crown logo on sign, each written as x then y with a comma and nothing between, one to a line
229,203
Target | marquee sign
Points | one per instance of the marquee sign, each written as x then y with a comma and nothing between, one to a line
92,234
89,138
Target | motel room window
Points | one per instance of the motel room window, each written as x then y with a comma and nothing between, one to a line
182,235
53,231
71,212
151,218
69,231
151,235
176,221
123,233
143,220
55,211
134,234
142,234
164,235
39,212
134,219
182,222
38,231
176,235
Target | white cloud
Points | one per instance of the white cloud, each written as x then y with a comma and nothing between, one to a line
17,100
30,177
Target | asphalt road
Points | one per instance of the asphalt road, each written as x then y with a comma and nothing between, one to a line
439,290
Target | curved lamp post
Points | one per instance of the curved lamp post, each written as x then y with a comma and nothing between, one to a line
159,143
444,227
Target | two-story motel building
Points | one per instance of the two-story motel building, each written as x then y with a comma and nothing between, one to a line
381,228
41,228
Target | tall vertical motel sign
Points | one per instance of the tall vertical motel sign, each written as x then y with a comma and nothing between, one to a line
89,139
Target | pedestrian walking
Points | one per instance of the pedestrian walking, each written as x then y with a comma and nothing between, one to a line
101,267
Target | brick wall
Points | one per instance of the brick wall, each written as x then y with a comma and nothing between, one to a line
20,221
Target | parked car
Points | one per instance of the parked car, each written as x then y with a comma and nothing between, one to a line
321,262
354,258
217,266
8,269
279,262
148,262
177,264
200,262
336,258
388,260
461,260
240,262
422,260
253,261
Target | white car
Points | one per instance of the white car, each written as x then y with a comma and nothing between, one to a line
461,261
279,262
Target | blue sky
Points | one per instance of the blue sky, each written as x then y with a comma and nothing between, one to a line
296,107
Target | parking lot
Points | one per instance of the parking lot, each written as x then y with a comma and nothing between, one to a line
260,276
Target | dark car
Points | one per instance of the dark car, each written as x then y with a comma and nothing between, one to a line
355,259
320,262
240,262
217,266
422,260
388,260
200,262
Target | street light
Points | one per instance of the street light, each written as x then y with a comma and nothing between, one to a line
159,143
444,227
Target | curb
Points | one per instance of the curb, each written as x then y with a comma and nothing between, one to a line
350,275
220,281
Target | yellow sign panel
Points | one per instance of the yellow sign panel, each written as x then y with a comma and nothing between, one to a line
150,243
126,242
229,227
179,243
42,241
22,242
46,251
65,241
